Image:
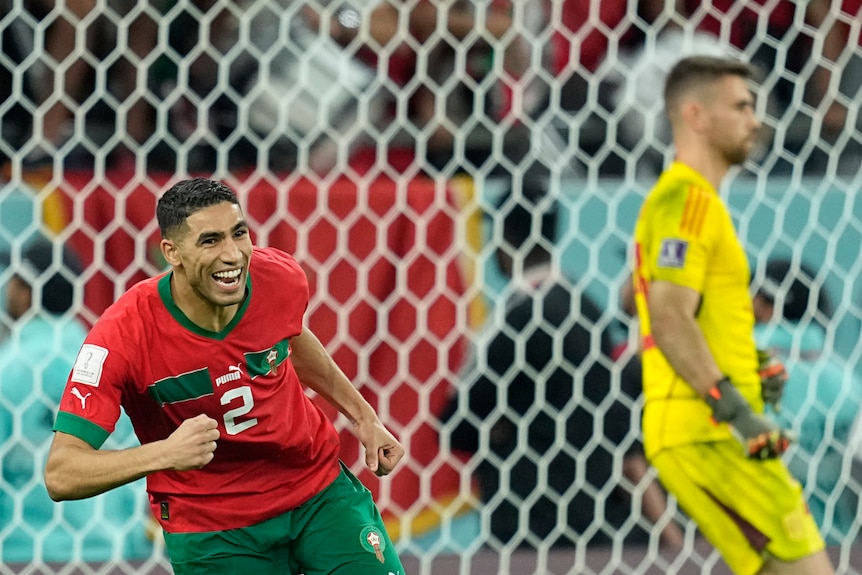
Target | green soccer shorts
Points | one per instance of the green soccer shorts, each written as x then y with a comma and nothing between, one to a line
338,532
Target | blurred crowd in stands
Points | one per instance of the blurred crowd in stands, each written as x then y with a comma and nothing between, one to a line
417,85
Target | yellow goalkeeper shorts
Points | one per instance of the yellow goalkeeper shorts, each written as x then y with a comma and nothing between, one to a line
747,509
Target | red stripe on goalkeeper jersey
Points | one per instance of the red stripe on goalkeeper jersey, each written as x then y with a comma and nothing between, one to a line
647,342
694,211
641,284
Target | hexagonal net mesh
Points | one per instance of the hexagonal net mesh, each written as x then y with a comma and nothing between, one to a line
383,143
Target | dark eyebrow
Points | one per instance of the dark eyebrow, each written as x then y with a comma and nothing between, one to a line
242,224
209,236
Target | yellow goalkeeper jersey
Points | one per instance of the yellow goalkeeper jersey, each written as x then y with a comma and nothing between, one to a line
685,235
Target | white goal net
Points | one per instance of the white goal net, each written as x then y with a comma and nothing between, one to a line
384,143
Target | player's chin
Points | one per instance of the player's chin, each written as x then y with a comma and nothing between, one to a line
738,156
226,295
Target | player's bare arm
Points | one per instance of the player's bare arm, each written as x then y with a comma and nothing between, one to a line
76,470
317,370
672,310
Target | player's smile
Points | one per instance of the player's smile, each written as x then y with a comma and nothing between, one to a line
230,279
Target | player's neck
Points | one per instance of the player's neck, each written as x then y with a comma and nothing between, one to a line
711,166
210,317
201,312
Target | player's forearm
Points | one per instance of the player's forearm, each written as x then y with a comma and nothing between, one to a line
319,372
338,390
75,472
679,338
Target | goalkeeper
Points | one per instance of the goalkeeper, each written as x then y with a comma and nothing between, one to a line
703,425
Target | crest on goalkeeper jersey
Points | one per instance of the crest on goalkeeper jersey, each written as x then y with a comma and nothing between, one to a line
672,254
88,365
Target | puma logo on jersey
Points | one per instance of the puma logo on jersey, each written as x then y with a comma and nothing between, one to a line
234,372
82,398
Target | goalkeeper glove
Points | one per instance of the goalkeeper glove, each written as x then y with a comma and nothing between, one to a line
761,437
773,376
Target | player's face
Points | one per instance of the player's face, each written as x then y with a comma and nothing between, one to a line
18,297
215,252
733,124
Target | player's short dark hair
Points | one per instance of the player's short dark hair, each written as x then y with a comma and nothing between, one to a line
187,197
695,71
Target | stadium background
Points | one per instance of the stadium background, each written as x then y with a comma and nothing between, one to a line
376,161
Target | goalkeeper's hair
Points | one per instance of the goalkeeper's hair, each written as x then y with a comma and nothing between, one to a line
187,197
696,72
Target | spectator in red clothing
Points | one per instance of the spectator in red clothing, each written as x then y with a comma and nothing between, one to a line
842,54
383,61
421,62
737,25
581,34
754,29
62,34
74,34
825,32
771,34
580,43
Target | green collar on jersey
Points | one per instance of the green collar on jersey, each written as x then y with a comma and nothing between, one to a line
173,308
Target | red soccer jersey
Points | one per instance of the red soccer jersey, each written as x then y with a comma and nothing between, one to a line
276,450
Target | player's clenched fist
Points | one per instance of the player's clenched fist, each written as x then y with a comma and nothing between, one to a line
382,450
761,438
193,443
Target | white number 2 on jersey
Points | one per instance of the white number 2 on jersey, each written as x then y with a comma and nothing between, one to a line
231,425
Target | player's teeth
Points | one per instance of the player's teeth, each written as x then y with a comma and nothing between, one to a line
228,275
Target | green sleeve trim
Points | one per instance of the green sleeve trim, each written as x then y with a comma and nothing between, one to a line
81,428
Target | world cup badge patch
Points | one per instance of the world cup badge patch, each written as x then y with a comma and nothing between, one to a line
672,254
372,540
